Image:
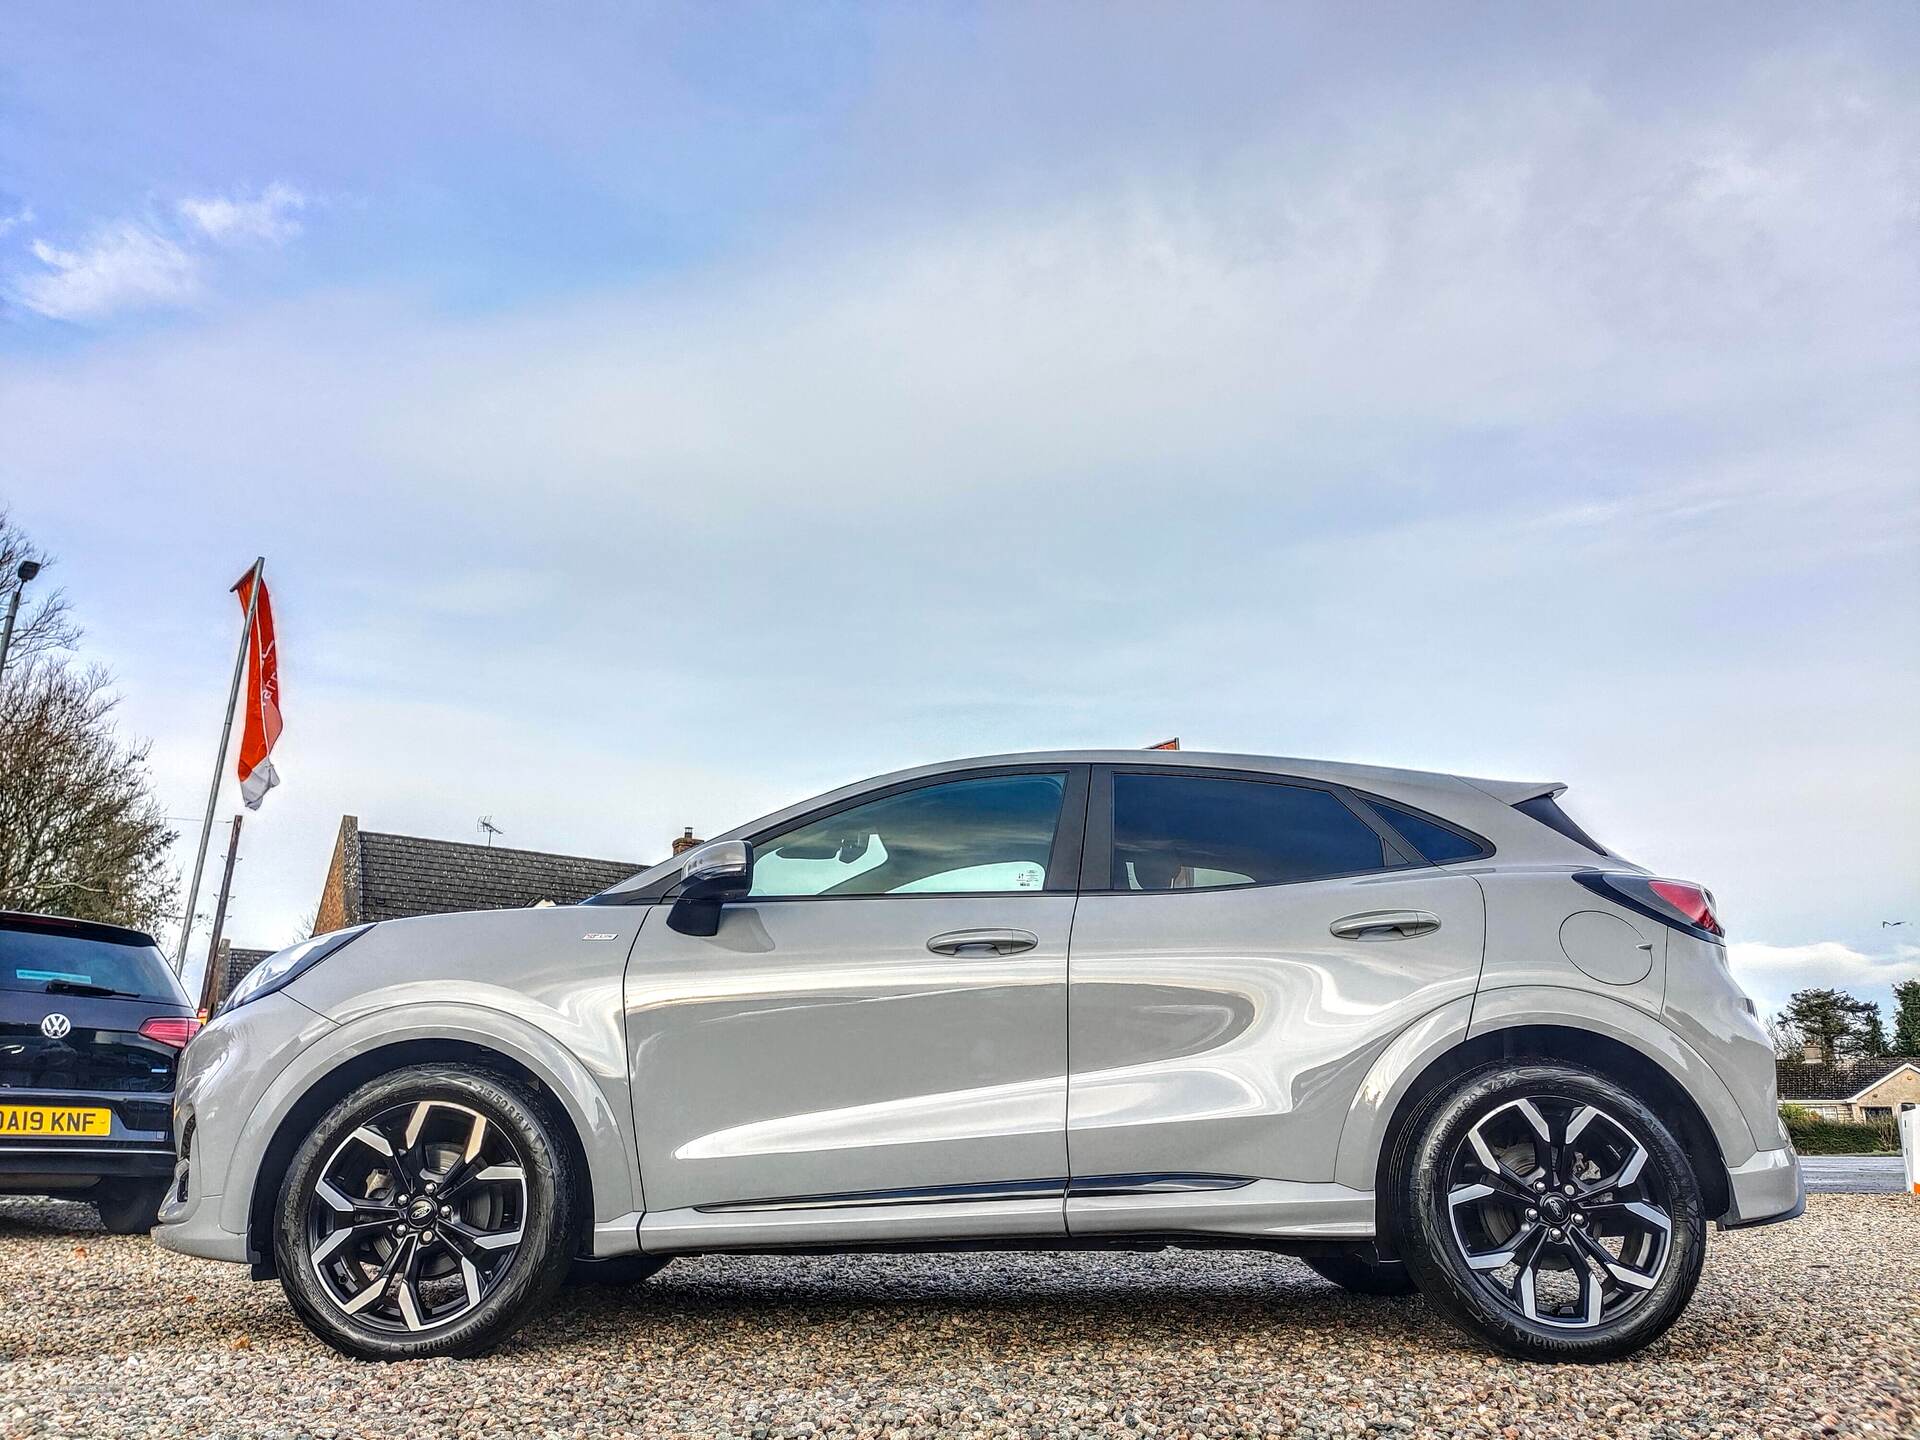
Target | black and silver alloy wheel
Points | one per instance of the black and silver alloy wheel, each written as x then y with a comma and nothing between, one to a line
1555,1211
1548,1209
428,1213
417,1215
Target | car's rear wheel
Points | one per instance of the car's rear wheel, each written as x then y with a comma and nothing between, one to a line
1548,1210
128,1207
428,1213
1363,1276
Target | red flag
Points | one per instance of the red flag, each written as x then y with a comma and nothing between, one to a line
262,699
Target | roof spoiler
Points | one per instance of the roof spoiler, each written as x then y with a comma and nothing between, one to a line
1514,792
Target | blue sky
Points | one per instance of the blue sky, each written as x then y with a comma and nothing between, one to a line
651,416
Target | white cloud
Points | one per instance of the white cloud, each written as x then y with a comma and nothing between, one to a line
268,218
122,266
1771,973
22,216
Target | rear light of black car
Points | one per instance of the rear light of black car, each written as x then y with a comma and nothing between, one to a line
1679,903
174,1030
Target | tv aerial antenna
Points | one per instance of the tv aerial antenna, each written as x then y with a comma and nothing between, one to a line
489,829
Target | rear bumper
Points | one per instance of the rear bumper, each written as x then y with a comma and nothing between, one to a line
24,1168
1766,1189
138,1144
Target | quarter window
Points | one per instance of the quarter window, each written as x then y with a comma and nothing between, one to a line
1190,832
992,835
1439,843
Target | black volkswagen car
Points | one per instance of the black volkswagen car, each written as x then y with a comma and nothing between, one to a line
92,1023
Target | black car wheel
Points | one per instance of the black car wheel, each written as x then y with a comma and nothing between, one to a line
428,1213
129,1207
1548,1210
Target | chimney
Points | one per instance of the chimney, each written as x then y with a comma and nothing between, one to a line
1810,1052
685,841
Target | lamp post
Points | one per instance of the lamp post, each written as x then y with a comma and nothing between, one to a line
28,569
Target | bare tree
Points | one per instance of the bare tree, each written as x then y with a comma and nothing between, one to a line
45,621
80,831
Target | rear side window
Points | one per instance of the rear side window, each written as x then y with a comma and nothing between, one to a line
1438,843
83,961
1190,832
1547,811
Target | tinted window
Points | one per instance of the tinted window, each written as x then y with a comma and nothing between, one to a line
1429,837
1183,832
34,958
964,837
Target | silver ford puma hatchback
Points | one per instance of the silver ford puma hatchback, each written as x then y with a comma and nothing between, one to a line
1421,1031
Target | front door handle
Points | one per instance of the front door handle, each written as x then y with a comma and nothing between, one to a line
983,942
1385,925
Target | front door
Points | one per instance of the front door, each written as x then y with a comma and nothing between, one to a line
883,1020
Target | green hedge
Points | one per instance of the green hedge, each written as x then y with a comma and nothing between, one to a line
1812,1135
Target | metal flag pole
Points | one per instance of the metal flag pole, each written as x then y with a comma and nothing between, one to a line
210,980
219,767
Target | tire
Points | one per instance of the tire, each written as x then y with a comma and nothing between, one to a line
431,1212
1363,1277
129,1207
1513,1254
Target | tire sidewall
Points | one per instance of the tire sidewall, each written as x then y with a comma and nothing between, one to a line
536,1269
1424,1223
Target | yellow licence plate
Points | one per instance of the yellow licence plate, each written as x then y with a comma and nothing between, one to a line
52,1122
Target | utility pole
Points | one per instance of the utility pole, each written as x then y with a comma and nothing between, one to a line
219,764
28,569
210,981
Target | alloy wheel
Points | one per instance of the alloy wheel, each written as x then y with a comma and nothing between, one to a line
416,1216
1557,1213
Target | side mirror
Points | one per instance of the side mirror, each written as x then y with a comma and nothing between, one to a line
709,877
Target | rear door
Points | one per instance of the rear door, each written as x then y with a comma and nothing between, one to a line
882,1022
1244,947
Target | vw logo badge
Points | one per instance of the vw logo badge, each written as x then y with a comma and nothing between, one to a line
56,1027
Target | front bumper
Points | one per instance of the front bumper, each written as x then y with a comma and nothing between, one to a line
1766,1189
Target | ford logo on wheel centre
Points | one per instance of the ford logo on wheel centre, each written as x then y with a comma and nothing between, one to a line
56,1027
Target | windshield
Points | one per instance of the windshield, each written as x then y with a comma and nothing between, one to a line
83,961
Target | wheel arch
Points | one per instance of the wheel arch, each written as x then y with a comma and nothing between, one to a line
582,1119
1606,1054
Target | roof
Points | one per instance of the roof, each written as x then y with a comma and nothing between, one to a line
402,875
239,963
80,929
1843,1081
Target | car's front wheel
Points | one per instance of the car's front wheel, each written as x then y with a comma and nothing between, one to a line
1548,1210
428,1213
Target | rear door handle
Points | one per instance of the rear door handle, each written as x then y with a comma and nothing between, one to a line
1385,925
983,942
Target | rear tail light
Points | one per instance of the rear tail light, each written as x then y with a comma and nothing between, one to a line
174,1030
1679,903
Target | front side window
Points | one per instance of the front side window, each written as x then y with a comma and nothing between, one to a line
1190,832
992,835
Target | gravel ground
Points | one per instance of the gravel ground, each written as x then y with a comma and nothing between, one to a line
1800,1329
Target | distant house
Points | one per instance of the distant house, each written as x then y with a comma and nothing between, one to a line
1855,1091
387,877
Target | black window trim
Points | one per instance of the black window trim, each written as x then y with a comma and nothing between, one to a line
1096,860
1063,863
1487,847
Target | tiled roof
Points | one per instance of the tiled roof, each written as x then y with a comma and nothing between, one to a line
1800,1081
239,962
403,875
